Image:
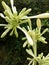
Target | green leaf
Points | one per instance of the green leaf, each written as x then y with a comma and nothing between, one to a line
30,52
24,38
25,43
44,31
42,39
11,33
5,32
16,33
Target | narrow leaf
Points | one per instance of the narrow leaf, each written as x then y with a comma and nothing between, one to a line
16,33
25,43
5,32
2,15
29,51
44,31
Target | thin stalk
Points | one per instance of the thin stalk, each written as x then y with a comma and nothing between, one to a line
35,51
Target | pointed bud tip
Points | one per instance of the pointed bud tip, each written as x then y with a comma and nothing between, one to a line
30,9
2,36
3,3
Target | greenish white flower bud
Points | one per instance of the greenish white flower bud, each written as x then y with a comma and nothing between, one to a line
22,11
5,6
38,23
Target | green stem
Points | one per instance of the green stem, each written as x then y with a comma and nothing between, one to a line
35,51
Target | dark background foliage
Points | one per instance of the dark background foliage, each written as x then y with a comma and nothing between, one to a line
11,50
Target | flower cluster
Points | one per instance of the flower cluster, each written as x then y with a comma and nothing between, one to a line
13,18
42,60
35,34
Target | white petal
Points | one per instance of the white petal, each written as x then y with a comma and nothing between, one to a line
3,24
30,41
44,15
2,15
13,7
14,10
11,1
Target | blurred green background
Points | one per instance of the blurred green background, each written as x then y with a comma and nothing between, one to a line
11,50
